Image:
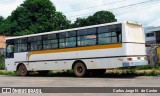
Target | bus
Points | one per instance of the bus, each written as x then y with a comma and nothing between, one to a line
86,49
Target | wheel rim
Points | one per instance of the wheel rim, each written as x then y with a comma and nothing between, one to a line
22,70
79,69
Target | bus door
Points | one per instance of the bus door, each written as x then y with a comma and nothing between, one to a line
9,60
9,49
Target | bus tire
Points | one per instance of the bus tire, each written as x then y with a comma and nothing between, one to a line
22,70
80,69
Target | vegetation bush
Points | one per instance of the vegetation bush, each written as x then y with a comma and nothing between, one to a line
2,59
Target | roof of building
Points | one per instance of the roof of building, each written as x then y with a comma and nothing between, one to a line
152,29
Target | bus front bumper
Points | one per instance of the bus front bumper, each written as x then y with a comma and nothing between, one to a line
135,63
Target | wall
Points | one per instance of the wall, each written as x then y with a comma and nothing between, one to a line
158,53
2,44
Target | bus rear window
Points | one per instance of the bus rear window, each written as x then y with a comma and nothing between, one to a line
135,33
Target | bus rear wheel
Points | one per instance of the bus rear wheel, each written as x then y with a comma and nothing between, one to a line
80,69
22,70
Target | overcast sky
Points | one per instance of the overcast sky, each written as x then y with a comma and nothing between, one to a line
143,11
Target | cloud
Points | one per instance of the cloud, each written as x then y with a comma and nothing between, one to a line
6,7
68,5
145,15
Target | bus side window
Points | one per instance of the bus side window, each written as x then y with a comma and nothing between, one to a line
35,43
109,34
116,37
104,36
87,37
118,30
119,36
29,46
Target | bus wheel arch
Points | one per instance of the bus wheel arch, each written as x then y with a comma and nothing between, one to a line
79,68
22,69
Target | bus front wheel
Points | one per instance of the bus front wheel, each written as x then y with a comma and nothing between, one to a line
22,70
79,69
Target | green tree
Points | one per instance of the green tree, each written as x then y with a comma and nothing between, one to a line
61,22
99,17
1,19
34,16
7,27
80,22
2,59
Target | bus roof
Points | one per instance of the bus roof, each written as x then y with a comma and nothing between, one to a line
59,31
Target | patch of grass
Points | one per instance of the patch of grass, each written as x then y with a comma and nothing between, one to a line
7,73
140,67
121,73
133,72
2,64
145,67
151,73
157,67
63,73
109,73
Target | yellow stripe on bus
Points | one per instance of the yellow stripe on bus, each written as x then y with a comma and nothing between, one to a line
76,49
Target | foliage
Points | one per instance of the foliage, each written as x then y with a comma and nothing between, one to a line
1,19
8,73
2,59
61,22
151,73
34,16
144,67
80,22
2,66
99,17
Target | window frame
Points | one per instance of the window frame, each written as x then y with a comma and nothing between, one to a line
151,34
21,43
29,43
57,38
20,51
36,49
87,34
67,37
119,40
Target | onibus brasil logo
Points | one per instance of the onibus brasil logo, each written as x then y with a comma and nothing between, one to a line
21,90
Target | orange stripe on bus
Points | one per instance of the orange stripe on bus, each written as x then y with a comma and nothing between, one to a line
76,49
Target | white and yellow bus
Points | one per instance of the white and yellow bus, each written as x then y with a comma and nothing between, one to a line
92,48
